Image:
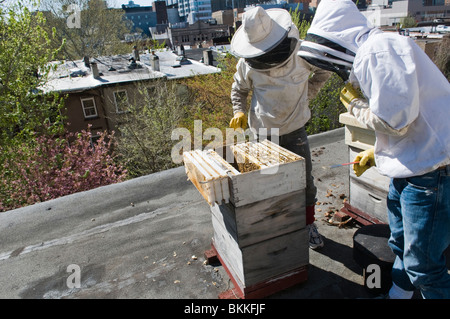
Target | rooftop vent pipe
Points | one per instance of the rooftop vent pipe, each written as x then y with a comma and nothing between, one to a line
208,57
95,72
154,61
136,53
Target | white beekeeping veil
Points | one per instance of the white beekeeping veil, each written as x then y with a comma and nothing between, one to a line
336,32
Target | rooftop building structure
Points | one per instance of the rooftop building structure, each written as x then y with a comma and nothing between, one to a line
100,89
383,13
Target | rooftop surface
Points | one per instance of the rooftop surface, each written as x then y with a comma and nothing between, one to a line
70,76
146,238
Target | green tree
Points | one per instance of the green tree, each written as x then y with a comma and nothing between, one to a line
144,143
300,22
408,22
211,93
88,27
25,53
326,107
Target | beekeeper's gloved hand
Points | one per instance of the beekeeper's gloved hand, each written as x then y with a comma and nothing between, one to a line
366,160
239,121
348,94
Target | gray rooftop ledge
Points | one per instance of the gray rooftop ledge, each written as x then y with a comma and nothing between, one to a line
145,238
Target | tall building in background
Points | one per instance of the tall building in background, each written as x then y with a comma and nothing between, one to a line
194,10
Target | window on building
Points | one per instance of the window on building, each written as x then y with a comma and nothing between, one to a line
89,108
121,101
93,139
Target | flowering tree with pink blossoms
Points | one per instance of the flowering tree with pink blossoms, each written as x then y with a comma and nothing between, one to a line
57,166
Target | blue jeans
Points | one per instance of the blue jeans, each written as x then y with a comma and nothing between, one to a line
419,219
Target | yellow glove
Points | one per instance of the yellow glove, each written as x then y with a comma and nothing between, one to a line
348,94
366,160
239,121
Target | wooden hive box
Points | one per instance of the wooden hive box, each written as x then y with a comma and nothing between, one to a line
368,192
258,210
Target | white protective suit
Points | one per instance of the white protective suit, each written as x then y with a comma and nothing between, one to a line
408,97
279,95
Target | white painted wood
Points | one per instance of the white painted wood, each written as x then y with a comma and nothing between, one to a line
245,188
199,177
368,200
263,260
229,251
258,185
258,216
215,182
285,155
368,192
221,162
264,219
357,134
275,256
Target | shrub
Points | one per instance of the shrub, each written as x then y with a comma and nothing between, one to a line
326,107
56,166
144,143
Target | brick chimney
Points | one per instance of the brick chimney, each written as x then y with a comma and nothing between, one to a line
208,57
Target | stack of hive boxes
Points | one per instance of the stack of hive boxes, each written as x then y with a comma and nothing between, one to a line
369,191
258,212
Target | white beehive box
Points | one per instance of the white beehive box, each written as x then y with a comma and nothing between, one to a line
369,191
259,220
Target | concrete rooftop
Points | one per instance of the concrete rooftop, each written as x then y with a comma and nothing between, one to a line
137,239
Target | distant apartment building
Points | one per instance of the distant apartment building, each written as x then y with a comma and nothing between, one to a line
141,17
146,17
200,33
383,13
99,90
361,4
192,10
224,17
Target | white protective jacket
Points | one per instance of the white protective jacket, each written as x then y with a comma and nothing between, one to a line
408,97
280,95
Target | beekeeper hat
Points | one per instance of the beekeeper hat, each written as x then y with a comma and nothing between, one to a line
261,31
327,55
337,31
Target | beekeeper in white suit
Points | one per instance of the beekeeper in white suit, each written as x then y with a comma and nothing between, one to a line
281,85
407,102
